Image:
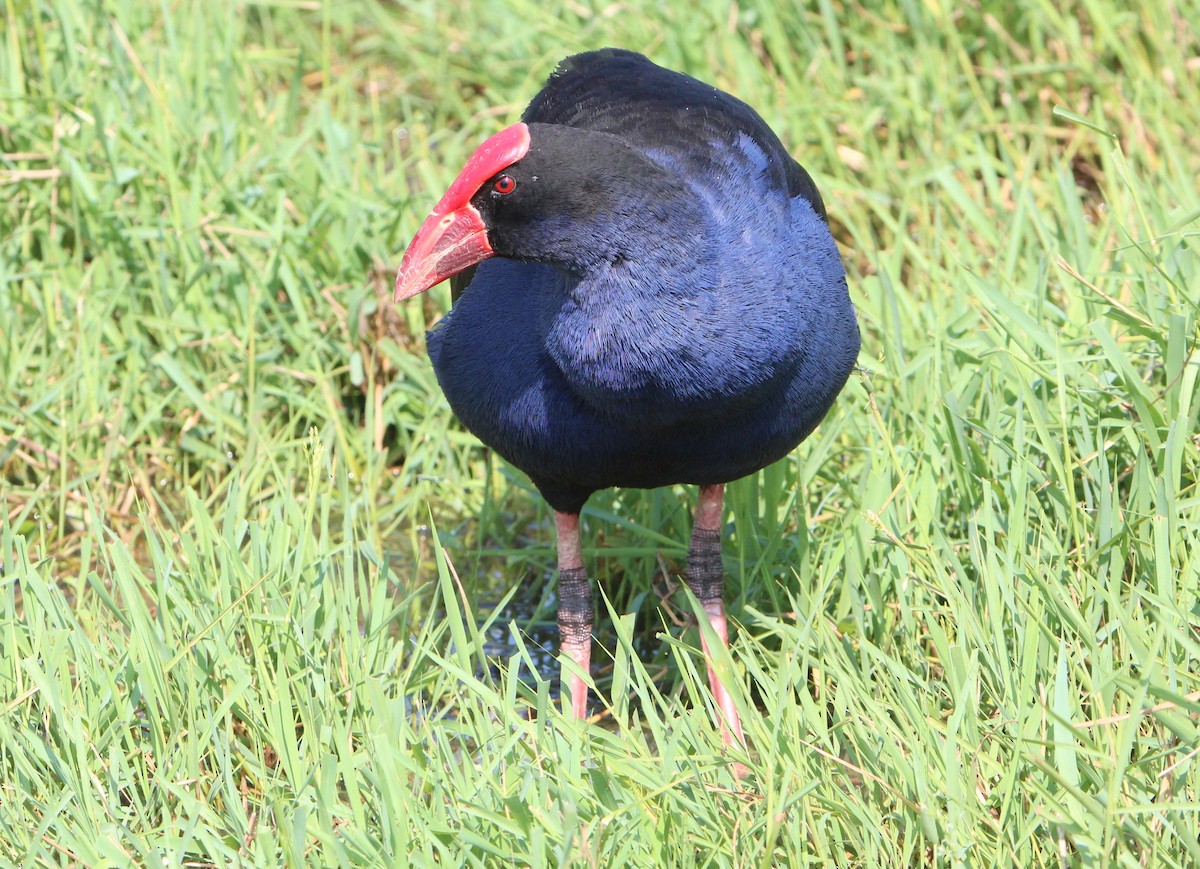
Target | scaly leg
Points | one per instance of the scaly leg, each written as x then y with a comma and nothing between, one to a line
706,579
574,607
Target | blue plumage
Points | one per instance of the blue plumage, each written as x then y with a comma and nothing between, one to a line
678,315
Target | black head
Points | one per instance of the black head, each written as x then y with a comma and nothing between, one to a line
578,199
574,198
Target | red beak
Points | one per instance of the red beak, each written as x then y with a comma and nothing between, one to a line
444,246
454,236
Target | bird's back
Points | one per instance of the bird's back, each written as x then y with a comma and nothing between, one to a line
699,130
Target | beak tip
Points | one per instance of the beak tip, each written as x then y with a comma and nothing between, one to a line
407,283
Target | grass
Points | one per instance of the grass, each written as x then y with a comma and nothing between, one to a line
245,545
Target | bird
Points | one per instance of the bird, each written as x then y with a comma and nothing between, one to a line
646,293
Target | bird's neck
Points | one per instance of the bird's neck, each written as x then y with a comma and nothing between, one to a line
648,263
655,232
638,290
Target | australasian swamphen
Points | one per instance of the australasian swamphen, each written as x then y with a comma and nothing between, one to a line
652,296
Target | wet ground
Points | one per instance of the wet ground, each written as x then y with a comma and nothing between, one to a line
532,610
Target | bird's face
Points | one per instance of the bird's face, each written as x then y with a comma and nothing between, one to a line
454,237
541,193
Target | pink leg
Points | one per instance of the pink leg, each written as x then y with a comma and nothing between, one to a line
707,581
574,607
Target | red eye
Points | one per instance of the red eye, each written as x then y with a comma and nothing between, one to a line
504,185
